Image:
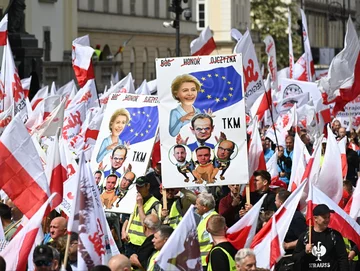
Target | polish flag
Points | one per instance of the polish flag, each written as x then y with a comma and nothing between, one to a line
204,44
274,235
40,95
156,153
21,246
339,220
291,53
25,83
256,154
242,232
330,179
81,60
263,102
310,70
5,119
22,176
353,206
52,122
55,172
272,66
3,30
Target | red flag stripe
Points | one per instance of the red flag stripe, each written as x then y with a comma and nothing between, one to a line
26,248
207,48
58,177
3,37
17,183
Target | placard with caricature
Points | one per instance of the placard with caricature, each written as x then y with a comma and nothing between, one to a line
202,121
123,148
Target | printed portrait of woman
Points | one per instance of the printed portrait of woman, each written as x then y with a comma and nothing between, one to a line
118,121
184,89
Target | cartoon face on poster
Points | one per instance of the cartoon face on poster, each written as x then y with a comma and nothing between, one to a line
202,121
123,148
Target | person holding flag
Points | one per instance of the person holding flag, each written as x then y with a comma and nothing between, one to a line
323,248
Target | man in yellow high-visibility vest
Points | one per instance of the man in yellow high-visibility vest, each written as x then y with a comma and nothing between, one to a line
205,207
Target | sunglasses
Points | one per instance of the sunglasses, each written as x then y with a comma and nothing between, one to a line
43,263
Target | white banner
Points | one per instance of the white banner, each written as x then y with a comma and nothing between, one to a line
202,103
350,118
130,122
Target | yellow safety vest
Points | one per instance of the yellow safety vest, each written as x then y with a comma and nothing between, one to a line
348,249
205,245
231,260
174,215
151,264
136,231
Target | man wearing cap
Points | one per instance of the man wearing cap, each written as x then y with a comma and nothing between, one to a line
326,249
146,204
43,258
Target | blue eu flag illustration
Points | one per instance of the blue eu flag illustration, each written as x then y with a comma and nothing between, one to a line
220,88
143,124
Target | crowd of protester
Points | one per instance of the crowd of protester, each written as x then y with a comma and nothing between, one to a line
141,237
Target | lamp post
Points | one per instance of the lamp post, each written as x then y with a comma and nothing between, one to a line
178,10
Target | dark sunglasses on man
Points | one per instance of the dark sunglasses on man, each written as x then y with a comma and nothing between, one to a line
43,263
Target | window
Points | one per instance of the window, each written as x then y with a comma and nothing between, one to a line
119,6
47,44
106,6
145,8
201,15
91,5
132,7
157,7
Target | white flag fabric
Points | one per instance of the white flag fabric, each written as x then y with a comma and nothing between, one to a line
5,118
87,94
185,255
353,206
330,179
66,89
40,95
143,89
74,117
204,44
241,234
125,85
253,83
291,53
235,34
272,66
53,89
17,251
25,83
310,70
22,175
272,166
264,239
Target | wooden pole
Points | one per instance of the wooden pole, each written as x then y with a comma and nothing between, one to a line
247,191
67,249
164,199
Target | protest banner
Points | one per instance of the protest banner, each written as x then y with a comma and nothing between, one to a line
202,121
125,141
350,118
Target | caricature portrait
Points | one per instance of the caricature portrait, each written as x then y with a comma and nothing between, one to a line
204,170
224,154
184,89
118,121
182,160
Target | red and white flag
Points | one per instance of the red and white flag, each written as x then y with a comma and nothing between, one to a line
256,154
330,179
253,83
269,236
272,167
81,60
272,66
342,66
25,83
186,254
74,117
22,175
21,246
353,205
310,69
94,235
53,88
66,89
242,232
263,102
87,94
3,30
342,148
339,220
287,103
55,171
204,44
40,95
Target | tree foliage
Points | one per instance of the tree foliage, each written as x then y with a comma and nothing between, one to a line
270,17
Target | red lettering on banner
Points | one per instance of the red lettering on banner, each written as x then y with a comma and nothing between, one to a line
5,122
269,47
272,69
97,242
85,97
303,122
249,74
2,90
285,120
72,121
70,170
